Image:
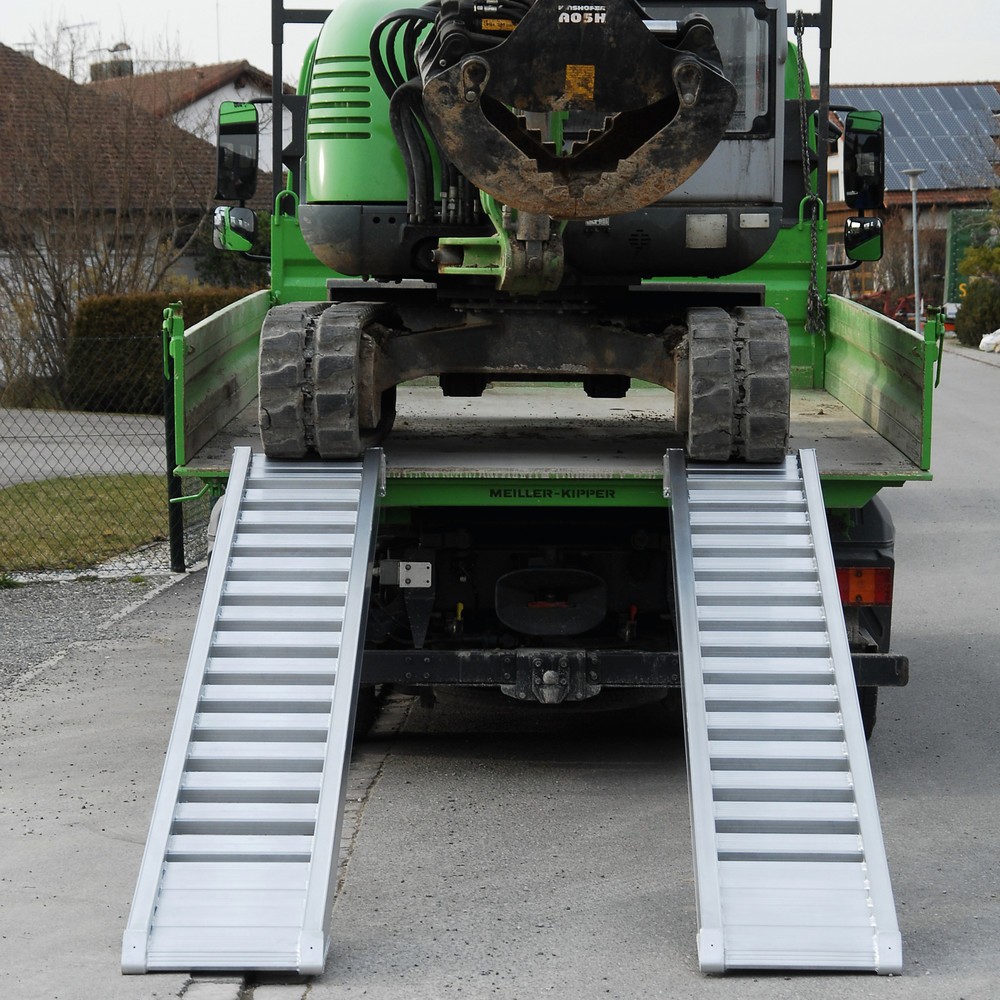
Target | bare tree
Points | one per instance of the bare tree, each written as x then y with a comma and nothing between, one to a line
894,271
97,197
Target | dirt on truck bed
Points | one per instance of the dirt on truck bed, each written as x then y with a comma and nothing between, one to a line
535,431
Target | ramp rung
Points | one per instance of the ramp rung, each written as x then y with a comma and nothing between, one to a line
288,567
288,726
293,782
767,666
198,846
218,755
276,592
750,521
246,826
324,643
793,812
244,812
268,519
777,695
782,568
747,545
235,698
764,755
293,543
790,865
280,616
249,669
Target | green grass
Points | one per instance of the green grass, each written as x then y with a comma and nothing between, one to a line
80,521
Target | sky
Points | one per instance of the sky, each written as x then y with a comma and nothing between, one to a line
875,41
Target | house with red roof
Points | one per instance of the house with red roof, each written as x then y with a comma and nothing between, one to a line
191,95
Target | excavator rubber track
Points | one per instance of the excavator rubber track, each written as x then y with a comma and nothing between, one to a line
320,379
316,381
737,390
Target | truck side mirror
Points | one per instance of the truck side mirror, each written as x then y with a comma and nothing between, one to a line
864,160
234,229
863,239
236,174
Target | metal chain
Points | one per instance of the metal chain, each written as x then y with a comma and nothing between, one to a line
815,312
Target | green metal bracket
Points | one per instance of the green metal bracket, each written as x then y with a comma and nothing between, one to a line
192,496
281,196
173,369
820,210
503,258
934,334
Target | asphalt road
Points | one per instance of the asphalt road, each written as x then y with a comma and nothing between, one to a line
45,444
496,860
496,855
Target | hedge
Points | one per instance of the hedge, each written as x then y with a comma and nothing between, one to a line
114,360
980,312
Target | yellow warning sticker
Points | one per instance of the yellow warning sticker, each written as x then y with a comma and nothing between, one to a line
496,24
580,82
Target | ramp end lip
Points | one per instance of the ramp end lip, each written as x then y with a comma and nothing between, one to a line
313,946
711,950
889,952
134,953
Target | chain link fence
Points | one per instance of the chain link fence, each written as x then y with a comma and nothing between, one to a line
82,487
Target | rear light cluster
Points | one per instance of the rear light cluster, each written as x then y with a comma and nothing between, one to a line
865,585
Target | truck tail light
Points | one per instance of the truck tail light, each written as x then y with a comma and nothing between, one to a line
865,584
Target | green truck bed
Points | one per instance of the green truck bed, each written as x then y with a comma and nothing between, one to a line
545,445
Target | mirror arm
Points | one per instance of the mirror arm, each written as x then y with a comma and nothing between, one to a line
850,266
259,257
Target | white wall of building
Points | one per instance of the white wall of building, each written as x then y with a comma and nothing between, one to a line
200,118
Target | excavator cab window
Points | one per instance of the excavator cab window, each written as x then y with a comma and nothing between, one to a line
236,174
745,35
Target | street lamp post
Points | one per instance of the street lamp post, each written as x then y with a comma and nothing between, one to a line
913,173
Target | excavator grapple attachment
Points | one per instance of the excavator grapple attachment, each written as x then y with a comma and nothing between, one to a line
646,108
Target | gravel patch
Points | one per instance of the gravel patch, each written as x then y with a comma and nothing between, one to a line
45,616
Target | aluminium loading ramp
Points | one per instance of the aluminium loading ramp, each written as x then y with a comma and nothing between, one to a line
241,861
789,860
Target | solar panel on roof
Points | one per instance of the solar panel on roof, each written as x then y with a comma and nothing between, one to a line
955,98
935,100
949,148
949,122
951,130
914,124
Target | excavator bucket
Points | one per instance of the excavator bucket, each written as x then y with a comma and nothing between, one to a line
647,102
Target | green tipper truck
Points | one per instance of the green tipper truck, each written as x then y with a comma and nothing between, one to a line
536,379
561,268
